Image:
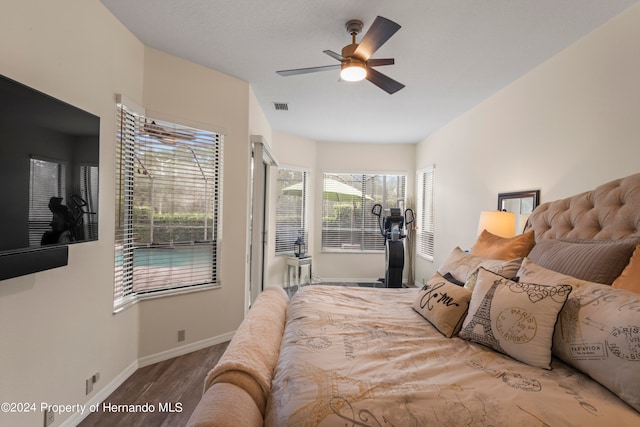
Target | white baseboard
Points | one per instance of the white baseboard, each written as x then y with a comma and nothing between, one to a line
179,351
104,392
101,395
349,280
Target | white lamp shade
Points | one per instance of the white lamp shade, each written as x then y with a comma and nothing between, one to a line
501,224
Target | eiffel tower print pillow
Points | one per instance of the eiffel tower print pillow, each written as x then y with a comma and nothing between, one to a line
517,319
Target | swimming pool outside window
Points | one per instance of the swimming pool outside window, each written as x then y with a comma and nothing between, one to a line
168,206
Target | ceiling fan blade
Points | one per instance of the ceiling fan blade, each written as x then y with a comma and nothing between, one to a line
379,62
383,82
334,55
380,31
308,70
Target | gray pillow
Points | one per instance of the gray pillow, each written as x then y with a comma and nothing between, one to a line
599,261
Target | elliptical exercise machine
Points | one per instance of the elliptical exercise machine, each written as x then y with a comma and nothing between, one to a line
393,233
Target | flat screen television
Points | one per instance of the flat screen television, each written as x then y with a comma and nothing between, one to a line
49,157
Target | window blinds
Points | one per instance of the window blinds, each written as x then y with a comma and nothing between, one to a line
291,206
168,205
89,193
347,222
47,179
425,214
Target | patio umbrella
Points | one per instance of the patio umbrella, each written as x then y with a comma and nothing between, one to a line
333,190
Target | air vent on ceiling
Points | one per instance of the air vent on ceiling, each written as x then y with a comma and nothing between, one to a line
281,106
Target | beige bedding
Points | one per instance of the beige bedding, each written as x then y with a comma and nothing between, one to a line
364,357
248,362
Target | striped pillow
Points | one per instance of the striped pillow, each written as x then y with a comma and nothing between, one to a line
599,261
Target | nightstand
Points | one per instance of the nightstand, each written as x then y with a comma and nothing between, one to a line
297,264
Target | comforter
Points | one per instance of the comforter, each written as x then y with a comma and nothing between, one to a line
364,357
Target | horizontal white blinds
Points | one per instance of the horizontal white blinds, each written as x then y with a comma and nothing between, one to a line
168,202
347,199
425,213
46,180
292,188
89,193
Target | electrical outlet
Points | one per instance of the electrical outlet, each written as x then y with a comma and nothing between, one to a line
49,417
89,382
181,335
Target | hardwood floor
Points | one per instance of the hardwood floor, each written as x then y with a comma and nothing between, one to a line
172,388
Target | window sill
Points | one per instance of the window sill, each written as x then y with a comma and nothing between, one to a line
425,257
351,251
129,301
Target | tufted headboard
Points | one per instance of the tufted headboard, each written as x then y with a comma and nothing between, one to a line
611,211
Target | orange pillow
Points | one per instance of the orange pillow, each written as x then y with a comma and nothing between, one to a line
629,279
489,245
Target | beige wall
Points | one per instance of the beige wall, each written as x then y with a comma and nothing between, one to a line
345,158
321,157
181,89
565,127
296,153
57,326
258,123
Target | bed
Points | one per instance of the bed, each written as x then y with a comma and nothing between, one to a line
548,337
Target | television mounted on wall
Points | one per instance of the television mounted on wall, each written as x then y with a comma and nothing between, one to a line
49,159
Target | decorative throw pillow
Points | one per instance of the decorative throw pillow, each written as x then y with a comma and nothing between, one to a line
462,265
531,272
598,331
471,281
599,261
514,318
449,277
489,245
443,304
629,279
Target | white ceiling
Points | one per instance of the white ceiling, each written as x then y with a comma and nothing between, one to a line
450,54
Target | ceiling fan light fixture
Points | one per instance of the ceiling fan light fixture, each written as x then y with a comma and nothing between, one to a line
353,72
355,62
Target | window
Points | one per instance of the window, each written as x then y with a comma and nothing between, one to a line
47,179
291,209
347,222
425,215
168,202
89,195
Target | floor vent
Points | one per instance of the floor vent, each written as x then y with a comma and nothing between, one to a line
281,106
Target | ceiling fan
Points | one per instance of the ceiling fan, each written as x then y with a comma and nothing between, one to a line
154,130
356,62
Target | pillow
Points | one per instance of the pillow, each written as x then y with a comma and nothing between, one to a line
449,277
471,281
517,319
599,261
461,265
598,332
531,272
489,245
443,304
629,279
